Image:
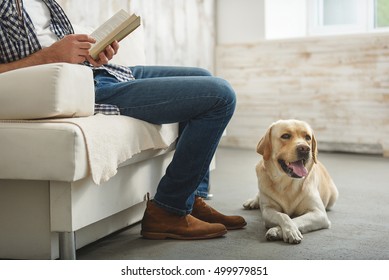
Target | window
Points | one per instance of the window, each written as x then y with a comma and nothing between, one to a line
336,12
381,13
347,16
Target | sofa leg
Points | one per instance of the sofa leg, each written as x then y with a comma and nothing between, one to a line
67,246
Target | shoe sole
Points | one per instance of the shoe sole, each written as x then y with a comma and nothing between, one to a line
161,236
236,227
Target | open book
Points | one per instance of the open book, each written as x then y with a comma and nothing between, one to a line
116,28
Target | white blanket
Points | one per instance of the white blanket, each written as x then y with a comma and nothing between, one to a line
107,148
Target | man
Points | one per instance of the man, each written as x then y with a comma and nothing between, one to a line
34,32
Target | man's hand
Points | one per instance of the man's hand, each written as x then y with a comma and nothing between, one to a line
72,48
105,56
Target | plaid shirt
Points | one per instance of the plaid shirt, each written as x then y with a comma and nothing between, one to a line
18,39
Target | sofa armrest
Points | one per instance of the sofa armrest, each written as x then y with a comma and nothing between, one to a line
47,91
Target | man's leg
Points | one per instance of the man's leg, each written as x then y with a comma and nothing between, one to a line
202,105
141,72
146,72
203,188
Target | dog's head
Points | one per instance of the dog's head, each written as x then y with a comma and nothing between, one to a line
291,145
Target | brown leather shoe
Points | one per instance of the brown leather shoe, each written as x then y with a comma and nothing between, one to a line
206,213
157,223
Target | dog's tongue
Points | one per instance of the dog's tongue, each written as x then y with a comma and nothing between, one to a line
299,168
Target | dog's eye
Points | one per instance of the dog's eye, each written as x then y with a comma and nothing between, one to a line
286,136
308,138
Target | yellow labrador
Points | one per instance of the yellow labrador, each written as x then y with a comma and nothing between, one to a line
295,189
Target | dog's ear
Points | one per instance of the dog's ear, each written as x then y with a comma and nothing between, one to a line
314,148
264,147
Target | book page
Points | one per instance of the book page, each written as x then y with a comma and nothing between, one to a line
116,28
110,25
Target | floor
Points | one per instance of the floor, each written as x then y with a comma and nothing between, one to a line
360,219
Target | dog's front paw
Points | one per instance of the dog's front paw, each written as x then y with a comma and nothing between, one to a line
274,234
292,235
252,203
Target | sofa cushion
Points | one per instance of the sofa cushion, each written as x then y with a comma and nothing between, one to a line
47,91
63,150
42,151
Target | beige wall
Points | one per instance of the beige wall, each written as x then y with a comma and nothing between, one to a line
92,12
177,32
240,21
338,84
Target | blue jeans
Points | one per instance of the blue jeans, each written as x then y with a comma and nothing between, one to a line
201,104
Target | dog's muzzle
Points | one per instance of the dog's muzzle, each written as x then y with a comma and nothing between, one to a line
297,168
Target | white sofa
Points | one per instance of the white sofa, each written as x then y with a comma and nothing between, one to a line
50,204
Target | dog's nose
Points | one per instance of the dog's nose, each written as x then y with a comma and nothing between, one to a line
303,150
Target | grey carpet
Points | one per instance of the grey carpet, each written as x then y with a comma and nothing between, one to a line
360,219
